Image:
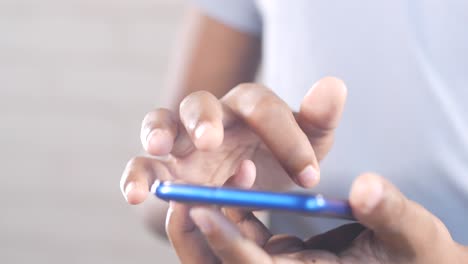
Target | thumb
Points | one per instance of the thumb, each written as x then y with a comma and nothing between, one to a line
399,223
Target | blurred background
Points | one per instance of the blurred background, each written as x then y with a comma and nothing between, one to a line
76,78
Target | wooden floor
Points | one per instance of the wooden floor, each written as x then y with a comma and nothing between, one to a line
76,78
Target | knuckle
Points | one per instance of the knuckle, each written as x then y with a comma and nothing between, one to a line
202,94
440,231
247,87
268,108
157,114
256,102
195,98
135,161
246,90
146,124
439,225
149,117
400,207
129,171
134,164
155,118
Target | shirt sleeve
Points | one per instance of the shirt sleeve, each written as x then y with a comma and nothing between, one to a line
241,15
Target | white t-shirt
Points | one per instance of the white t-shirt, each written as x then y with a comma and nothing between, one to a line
405,64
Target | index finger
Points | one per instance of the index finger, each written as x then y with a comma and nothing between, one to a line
273,121
225,239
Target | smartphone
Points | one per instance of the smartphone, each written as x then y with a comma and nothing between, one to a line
310,204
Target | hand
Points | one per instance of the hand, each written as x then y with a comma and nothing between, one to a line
209,139
395,230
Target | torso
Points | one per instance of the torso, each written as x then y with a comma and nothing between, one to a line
406,67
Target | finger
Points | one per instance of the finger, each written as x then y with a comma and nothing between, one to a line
320,112
225,240
158,131
138,176
400,223
248,224
202,115
244,177
272,120
337,239
283,244
186,239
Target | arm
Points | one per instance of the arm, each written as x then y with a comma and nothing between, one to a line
212,57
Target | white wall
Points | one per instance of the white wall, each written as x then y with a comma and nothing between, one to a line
76,78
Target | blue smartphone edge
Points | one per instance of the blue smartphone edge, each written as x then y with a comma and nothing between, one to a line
310,204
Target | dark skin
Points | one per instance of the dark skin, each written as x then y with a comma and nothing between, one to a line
393,229
231,134
197,67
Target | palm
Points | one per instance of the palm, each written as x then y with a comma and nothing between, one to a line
216,166
362,249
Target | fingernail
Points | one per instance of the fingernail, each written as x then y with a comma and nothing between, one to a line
371,192
201,220
201,128
308,176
